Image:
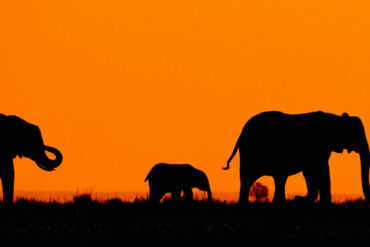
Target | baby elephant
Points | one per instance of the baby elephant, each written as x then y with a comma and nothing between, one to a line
175,178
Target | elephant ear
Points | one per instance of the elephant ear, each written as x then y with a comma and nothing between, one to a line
17,132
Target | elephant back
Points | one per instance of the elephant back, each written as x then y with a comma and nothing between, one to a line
168,170
157,169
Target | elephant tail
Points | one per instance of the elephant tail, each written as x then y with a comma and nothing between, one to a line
232,155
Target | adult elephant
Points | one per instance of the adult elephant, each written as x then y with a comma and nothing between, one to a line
278,145
23,139
175,178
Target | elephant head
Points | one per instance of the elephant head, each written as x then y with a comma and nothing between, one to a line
353,138
23,139
26,141
201,182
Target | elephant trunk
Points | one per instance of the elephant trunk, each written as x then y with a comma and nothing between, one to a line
364,156
209,195
48,164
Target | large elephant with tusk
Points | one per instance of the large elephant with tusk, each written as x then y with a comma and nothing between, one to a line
18,137
279,145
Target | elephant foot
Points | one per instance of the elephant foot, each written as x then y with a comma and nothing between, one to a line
244,203
303,200
325,200
300,198
279,200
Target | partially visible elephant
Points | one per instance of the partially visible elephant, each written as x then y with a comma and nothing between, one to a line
278,145
23,139
175,178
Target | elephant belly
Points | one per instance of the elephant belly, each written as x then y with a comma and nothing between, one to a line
277,164
168,185
283,171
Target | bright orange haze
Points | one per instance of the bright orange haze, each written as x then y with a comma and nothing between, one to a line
119,85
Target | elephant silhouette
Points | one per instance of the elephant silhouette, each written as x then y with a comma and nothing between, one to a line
279,145
175,178
21,138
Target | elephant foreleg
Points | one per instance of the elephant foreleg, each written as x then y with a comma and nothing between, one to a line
279,195
7,179
324,184
317,180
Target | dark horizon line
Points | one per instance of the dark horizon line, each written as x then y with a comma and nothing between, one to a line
66,195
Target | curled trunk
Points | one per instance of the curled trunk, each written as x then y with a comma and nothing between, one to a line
209,195
48,164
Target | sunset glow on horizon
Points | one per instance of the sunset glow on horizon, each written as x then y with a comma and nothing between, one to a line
118,86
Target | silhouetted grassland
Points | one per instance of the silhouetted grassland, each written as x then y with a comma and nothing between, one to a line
89,220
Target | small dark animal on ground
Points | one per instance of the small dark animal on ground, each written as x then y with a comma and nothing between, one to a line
175,178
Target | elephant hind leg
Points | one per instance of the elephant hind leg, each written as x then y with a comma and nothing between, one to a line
312,186
7,180
245,186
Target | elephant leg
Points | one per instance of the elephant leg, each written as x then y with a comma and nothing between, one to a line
247,177
155,195
324,184
312,186
245,186
279,195
188,193
175,194
7,179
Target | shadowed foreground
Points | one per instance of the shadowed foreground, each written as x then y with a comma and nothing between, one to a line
88,220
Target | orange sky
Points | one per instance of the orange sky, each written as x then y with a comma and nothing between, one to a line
119,85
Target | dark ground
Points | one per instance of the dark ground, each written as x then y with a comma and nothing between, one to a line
90,221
